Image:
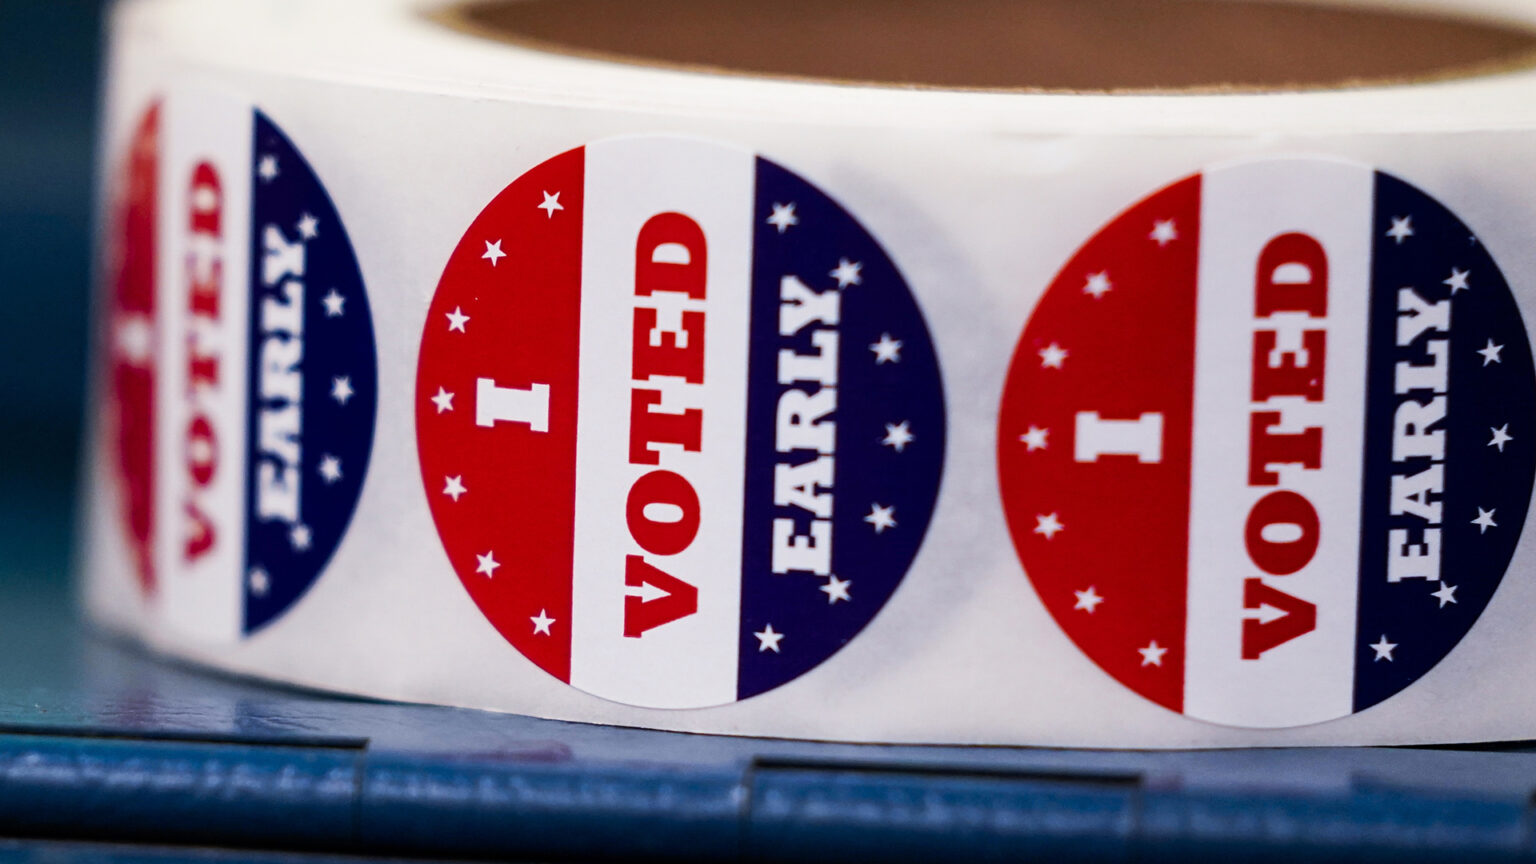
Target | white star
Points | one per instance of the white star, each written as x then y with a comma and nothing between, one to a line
1164,231
1383,649
1446,594
898,435
1098,284
487,564
541,622
881,517
1048,525
1402,229
333,303
1088,600
457,320
266,169
259,582
1152,655
1458,280
847,273
1491,353
767,640
783,217
1051,356
136,339
493,252
299,537
330,468
443,400
550,205
454,486
1034,439
1484,520
308,226
1501,437
837,589
341,389
887,349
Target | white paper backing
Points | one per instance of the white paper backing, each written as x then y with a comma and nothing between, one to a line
977,197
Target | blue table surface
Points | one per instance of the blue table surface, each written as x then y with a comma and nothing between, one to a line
106,752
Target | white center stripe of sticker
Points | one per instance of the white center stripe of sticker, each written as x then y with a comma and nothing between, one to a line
692,661
1329,203
955,378
207,149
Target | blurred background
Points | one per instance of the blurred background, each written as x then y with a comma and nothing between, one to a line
49,64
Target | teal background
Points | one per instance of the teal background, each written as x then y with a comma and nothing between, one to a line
48,95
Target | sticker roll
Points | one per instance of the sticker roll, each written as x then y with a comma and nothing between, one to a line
1048,373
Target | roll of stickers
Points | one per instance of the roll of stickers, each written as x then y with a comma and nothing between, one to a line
1045,373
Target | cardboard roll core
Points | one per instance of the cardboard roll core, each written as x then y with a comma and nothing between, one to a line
1068,45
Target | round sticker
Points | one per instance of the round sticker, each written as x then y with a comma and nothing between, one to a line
243,370
679,420
1265,446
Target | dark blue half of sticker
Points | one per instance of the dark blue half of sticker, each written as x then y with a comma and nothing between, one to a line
313,380
1450,440
845,432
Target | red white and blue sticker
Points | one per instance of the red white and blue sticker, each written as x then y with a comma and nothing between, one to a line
243,375
1265,447
679,419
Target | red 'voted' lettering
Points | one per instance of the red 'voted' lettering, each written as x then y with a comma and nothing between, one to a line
205,277
671,256
1291,277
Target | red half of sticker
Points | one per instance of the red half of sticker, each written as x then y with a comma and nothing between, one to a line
1109,351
